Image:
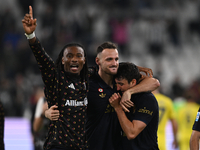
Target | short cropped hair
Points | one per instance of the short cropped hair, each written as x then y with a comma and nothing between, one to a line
106,45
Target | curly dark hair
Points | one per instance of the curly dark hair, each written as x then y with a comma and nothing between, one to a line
84,71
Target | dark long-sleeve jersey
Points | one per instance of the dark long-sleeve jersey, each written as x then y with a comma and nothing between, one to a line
69,93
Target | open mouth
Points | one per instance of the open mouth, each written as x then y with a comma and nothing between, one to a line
74,67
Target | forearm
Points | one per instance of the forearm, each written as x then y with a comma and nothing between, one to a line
194,140
146,85
41,55
37,124
125,123
174,127
32,41
45,63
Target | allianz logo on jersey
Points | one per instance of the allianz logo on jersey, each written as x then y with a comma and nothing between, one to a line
77,103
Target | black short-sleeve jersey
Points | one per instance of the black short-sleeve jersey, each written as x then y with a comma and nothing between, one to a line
69,93
102,125
196,125
146,110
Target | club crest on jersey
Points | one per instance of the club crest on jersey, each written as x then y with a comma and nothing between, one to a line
102,95
197,117
100,90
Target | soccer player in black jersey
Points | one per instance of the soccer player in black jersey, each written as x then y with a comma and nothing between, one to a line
141,123
66,87
194,139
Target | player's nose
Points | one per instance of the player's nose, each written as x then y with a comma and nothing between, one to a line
118,88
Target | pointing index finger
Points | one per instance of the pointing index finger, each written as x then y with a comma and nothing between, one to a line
31,12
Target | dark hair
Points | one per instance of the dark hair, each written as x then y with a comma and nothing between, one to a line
128,71
84,71
105,45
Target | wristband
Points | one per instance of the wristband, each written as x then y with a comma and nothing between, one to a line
30,36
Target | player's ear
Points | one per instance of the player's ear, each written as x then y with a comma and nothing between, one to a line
84,61
97,61
133,82
63,62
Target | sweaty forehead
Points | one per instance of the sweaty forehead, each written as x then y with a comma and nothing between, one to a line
73,50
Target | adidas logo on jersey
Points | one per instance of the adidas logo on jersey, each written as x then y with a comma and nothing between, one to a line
71,86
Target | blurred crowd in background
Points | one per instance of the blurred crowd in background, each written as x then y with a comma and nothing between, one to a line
162,35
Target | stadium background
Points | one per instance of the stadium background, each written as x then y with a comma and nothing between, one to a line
160,34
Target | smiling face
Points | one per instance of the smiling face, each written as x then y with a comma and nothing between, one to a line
73,59
108,61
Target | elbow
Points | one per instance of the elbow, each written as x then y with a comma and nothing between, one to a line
131,136
35,129
157,83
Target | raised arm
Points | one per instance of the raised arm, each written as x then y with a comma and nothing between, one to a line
29,25
45,62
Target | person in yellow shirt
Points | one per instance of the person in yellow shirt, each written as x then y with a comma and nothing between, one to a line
186,117
166,113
